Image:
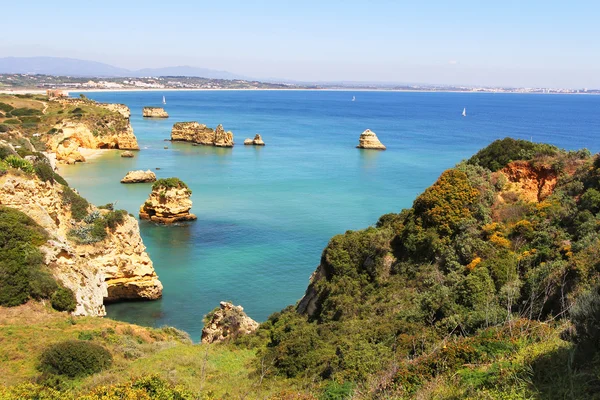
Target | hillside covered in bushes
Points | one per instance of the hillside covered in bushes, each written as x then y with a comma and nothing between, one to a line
487,288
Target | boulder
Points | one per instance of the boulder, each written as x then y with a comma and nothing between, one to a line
226,322
368,140
127,154
154,112
139,177
169,202
257,141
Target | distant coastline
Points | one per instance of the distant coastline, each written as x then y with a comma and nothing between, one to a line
325,89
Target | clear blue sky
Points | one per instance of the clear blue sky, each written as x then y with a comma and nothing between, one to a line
521,43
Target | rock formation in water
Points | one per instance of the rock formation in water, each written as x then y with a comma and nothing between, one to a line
169,202
154,112
369,140
227,322
201,134
257,141
127,154
112,269
192,132
139,176
222,138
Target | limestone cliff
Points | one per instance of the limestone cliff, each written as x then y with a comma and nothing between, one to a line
115,268
139,176
91,129
368,140
154,112
226,322
531,183
201,134
257,141
169,202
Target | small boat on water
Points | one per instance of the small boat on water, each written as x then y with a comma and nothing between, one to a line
164,100
464,113
353,98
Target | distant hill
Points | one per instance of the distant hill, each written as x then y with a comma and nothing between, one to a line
75,67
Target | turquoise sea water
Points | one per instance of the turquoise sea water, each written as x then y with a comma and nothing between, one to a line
265,214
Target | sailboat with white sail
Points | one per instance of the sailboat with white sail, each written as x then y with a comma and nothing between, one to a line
164,100
464,113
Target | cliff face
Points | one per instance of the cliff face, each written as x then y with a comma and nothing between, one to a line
102,131
201,134
154,112
116,268
368,140
168,205
531,183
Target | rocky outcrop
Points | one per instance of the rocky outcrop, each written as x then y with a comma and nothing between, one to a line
257,141
192,132
72,135
227,322
90,129
127,154
139,177
368,140
201,134
222,138
169,202
531,183
67,151
154,112
116,268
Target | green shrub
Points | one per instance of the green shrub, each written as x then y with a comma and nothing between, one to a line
20,258
77,110
79,205
107,206
337,391
168,183
12,121
75,358
6,107
5,151
63,300
30,120
19,163
4,128
501,152
115,218
20,112
60,179
44,171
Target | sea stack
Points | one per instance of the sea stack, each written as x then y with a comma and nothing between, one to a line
169,202
154,112
127,154
227,322
139,177
201,134
368,140
222,138
257,141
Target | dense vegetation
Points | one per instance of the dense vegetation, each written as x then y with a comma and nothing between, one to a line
488,287
22,274
75,358
473,274
169,183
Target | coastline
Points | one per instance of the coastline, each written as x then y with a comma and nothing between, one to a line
124,90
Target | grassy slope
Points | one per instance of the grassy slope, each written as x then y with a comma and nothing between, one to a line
214,370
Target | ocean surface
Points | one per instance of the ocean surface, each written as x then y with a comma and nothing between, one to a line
266,213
